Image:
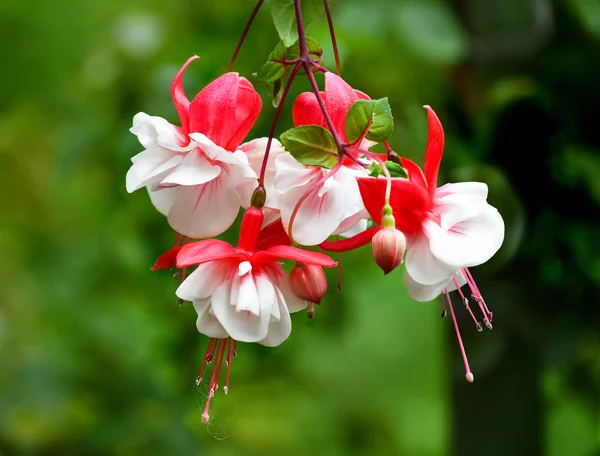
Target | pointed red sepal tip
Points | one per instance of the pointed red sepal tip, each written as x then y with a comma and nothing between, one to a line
309,282
470,377
167,259
388,245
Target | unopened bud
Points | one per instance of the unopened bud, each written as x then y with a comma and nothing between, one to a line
388,248
309,282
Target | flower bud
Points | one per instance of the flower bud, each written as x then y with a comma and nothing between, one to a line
388,248
309,282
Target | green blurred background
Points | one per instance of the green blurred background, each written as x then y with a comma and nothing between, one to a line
98,358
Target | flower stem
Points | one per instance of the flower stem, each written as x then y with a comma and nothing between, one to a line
286,89
351,243
338,67
244,33
307,63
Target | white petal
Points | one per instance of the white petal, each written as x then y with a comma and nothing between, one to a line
470,242
291,174
353,225
243,326
203,282
353,203
152,131
248,299
195,169
423,266
163,198
318,216
206,323
150,166
463,188
280,329
206,210
455,208
423,293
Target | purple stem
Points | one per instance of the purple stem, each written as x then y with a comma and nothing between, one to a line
244,33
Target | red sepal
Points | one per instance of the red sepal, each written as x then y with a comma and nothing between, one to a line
205,251
292,253
182,104
435,149
167,259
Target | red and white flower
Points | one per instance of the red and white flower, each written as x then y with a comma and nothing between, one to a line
447,228
334,205
195,173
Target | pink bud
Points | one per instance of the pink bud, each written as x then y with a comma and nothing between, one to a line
309,282
388,248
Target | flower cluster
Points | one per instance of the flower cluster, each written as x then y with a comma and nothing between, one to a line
321,180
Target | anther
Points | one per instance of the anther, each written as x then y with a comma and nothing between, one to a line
470,377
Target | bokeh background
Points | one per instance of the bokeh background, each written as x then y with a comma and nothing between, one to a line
98,358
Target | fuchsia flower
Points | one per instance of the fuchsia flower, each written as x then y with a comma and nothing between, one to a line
448,229
196,173
333,206
241,293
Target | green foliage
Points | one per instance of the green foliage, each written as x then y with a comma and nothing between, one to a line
284,17
394,169
311,145
371,119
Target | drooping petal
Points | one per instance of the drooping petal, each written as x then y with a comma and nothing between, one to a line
291,174
292,253
462,188
435,149
320,213
470,242
306,111
353,203
281,328
150,166
202,283
244,326
207,323
353,225
195,169
205,210
423,266
247,297
153,131
204,251
455,208
163,198
182,104
409,201
424,293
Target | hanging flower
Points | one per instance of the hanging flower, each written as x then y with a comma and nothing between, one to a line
241,293
448,229
195,172
332,205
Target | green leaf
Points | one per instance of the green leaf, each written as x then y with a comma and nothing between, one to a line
314,48
394,169
271,71
284,17
311,145
372,118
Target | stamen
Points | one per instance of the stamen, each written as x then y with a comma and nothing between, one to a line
478,297
466,303
228,361
469,375
207,359
216,349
